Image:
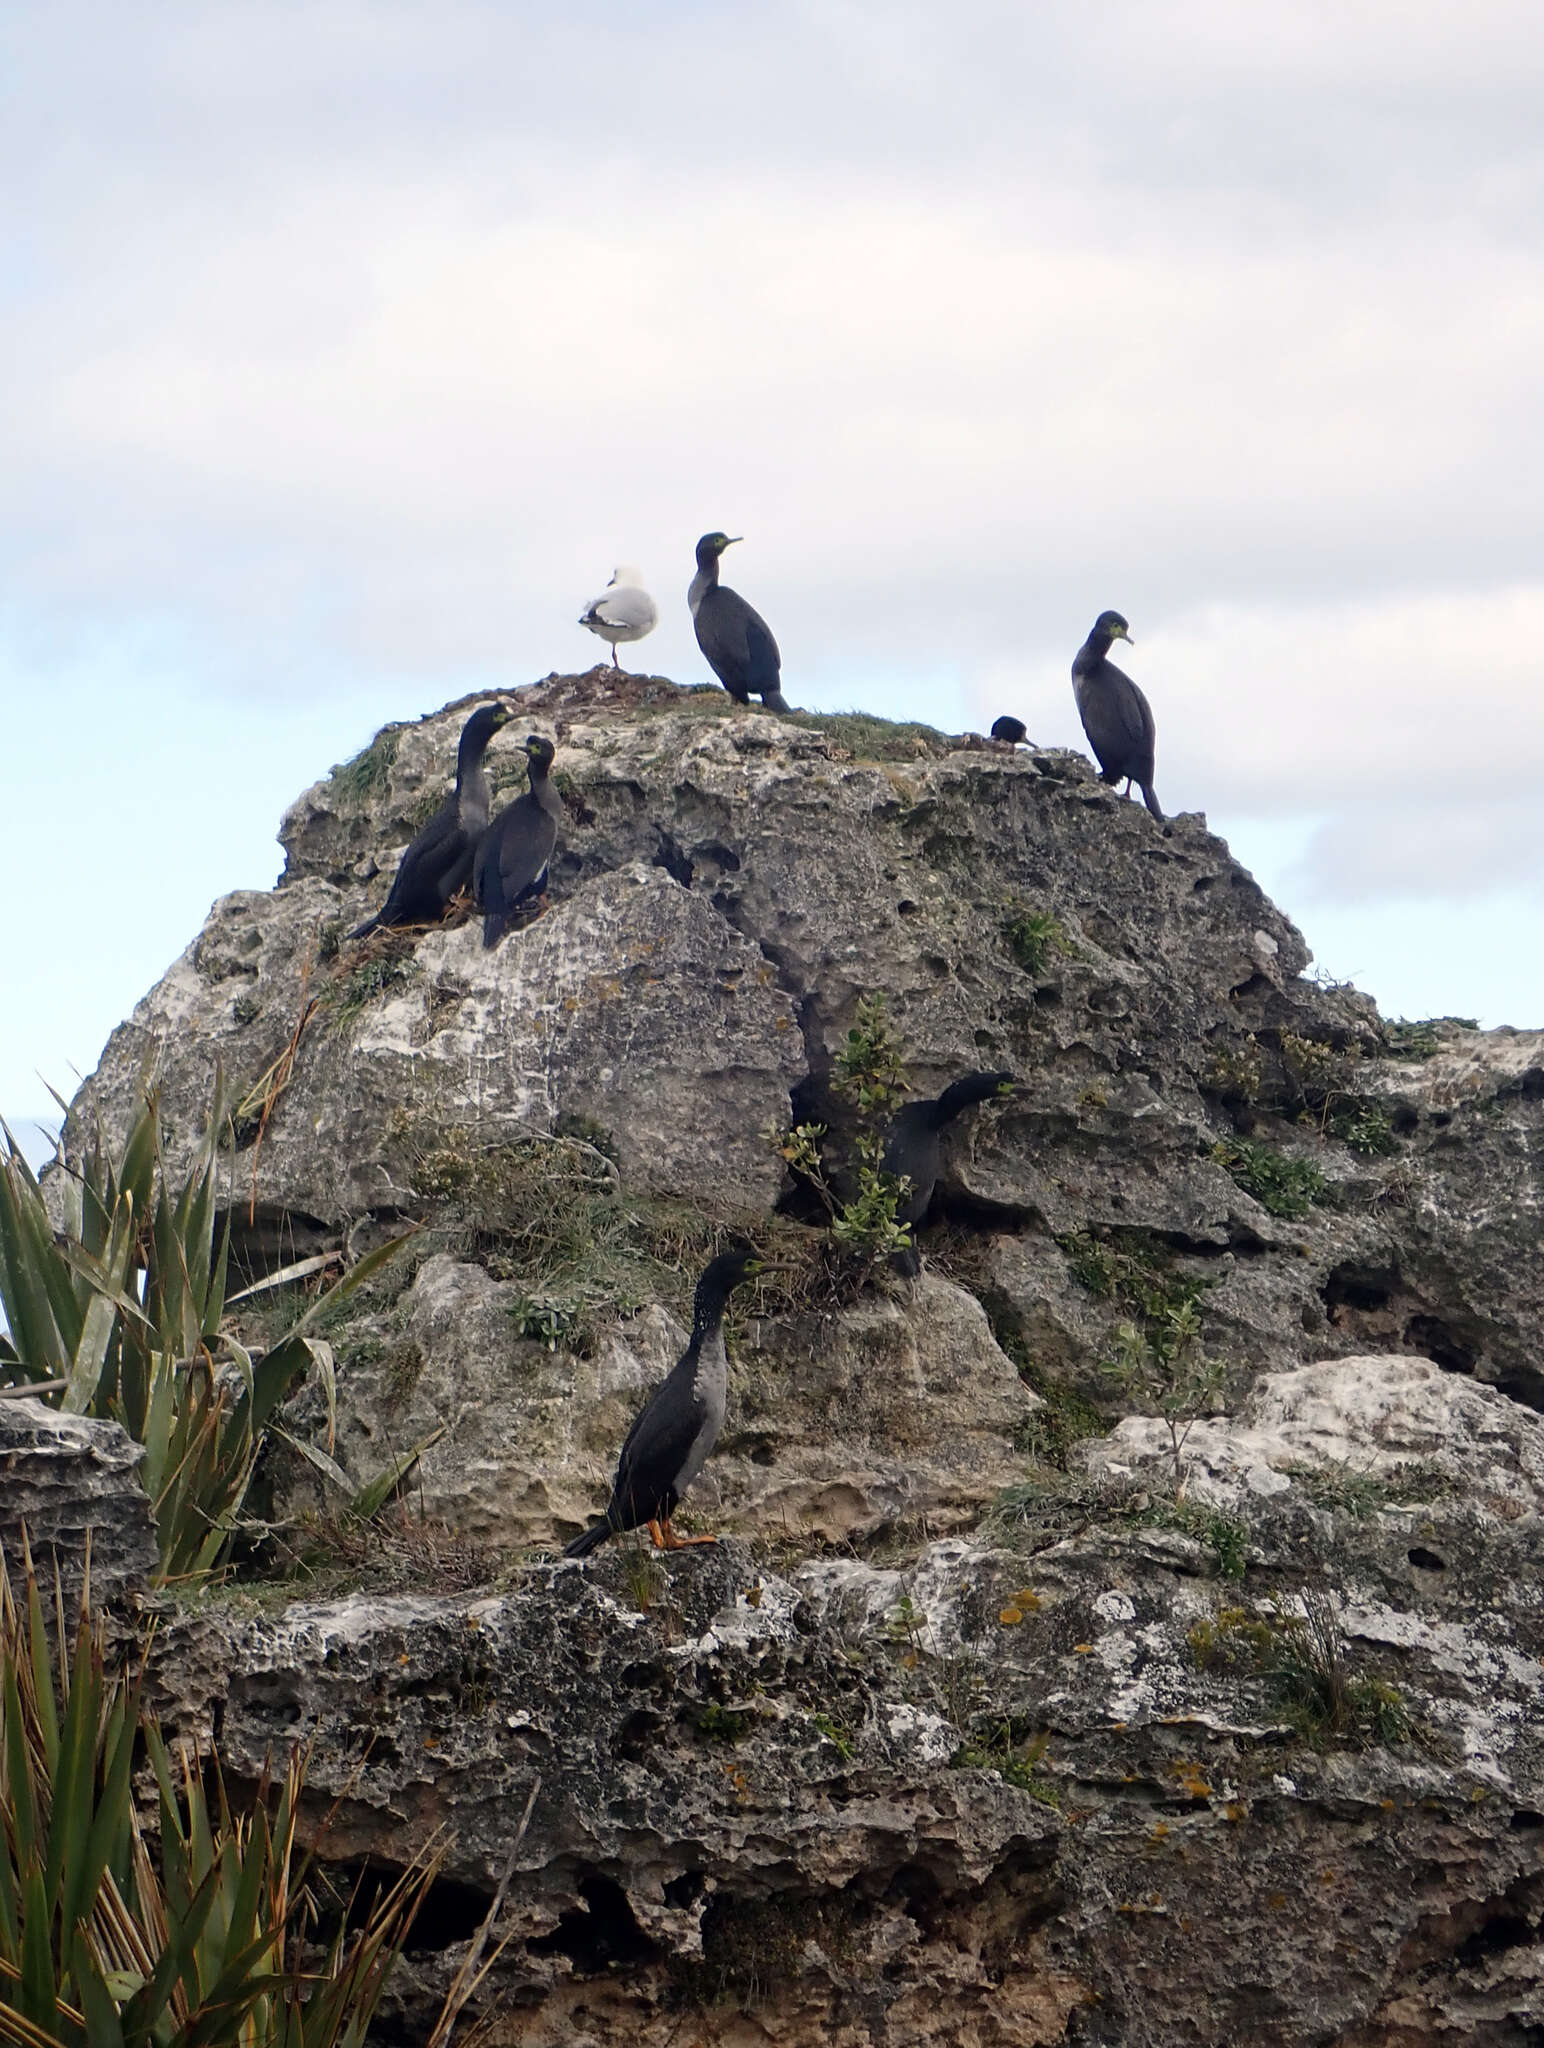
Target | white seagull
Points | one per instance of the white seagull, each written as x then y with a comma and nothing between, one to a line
623,611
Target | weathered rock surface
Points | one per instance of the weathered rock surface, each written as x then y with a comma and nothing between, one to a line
71,1484
1247,1752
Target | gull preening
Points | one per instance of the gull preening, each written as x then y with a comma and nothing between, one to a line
623,611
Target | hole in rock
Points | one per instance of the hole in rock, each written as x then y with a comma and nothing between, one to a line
1436,1338
673,860
685,1889
724,858
1405,1120
1201,883
1426,1560
906,907
602,1931
265,1240
1502,1932
1361,1288
451,1911
1525,1819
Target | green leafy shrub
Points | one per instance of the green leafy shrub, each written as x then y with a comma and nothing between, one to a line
1035,936
871,1075
1285,1187
1165,1367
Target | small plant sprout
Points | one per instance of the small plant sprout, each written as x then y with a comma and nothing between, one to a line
1166,1368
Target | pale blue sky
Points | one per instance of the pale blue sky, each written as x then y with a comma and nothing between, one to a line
347,347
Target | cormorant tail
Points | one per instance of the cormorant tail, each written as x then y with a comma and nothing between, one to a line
1150,798
907,1261
363,931
589,1539
962,1095
495,924
774,700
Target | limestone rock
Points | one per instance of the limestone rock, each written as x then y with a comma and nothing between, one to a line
1368,1417
70,1484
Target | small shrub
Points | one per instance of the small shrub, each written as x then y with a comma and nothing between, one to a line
1420,1038
1035,937
1166,1368
349,994
1236,1073
550,1321
1282,1186
1304,1663
355,782
871,1075
1016,1761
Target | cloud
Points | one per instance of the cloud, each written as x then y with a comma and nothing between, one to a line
348,346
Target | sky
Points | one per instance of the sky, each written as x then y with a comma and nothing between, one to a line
348,346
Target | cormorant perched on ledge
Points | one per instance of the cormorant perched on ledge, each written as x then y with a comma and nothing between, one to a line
439,861
735,639
1116,716
512,856
679,1424
1011,731
623,611
912,1147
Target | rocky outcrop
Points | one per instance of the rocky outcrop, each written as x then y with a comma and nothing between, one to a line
1007,1711
1114,1769
69,1488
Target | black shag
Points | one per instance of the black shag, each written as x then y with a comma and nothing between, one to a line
1011,731
735,638
912,1146
439,861
679,1424
623,611
1116,716
511,864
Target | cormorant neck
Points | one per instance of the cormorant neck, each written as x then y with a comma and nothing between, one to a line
707,1312
469,754
1093,650
963,1095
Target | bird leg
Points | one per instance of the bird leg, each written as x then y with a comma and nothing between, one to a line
667,1539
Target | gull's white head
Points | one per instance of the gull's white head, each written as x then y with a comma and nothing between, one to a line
626,576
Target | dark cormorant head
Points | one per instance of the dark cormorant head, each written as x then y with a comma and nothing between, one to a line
735,1265
484,722
712,545
1112,626
1010,729
539,752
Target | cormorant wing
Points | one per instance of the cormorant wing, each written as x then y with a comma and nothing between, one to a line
513,857
431,859
1136,714
763,663
656,1448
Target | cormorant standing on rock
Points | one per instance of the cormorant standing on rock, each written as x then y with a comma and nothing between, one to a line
1011,731
735,639
1116,716
912,1147
623,611
439,861
679,1424
512,856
